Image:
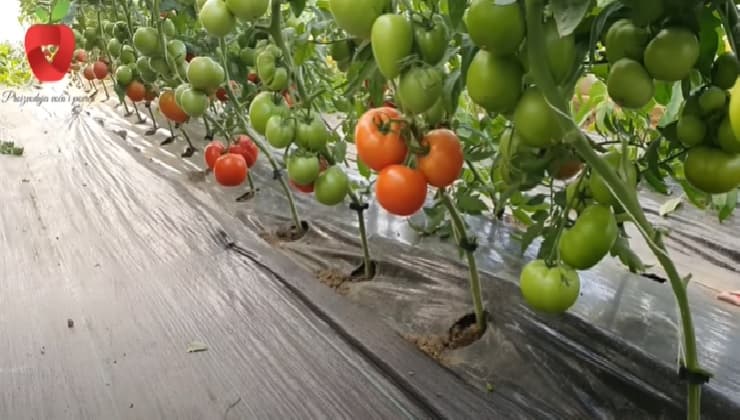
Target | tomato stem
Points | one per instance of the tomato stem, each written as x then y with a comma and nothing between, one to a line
276,33
626,196
367,262
255,138
460,232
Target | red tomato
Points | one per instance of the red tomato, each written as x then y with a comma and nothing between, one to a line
222,95
136,91
444,161
80,55
89,73
169,108
230,170
252,77
379,140
151,93
244,146
401,190
212,152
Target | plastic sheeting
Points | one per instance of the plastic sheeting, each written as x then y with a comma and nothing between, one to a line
612,357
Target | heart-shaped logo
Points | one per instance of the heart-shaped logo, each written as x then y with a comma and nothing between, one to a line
49,50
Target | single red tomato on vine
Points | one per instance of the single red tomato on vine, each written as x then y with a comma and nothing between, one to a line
401,190
212,152
253,78
244,146
169,108
136,91
444,161
379,139
100,69
80,55
89,73
230,170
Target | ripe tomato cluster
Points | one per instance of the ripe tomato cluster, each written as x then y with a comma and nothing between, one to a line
381,138
231,166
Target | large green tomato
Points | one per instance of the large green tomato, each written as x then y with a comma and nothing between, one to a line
357,16
260,110
312,135
280,131
725,71
205,74
590,239
194,103
279,80
625,40
432,41
495,27
672,54
629,84
549,289
266,65
597,185
495,83
124,75
331,187
159,65
535,121
176,50
691,130
248,9
419,88
561,52
216,18
713,171
726,138
303,170
392,40
146,41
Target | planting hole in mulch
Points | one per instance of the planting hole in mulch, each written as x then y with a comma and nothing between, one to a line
290,233
338,280
463,333
358,274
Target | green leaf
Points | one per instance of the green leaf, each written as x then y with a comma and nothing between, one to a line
340,151
297,6
363,169
670,206
42,14
456,11
61,7
470,203
627,256
569,13
729,207
599,26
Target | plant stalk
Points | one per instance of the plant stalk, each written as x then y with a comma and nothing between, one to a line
625,195
367,263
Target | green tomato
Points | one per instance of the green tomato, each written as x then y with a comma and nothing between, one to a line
535,121
691,130
625,40
331,187
247,56
726,138
312,135
114,47
357,17
303,170
260,110
725,71
109,28
672,54
266,66
205,74
432,42
629,84
280,131
176,50
146,41
546,289
341,50
713,171
159,65
645,12
124,75
597,185
713,99
179,91
182,69
216,18
392,40
279,81
495,83
590,239
168,28
420,88
436,113
248,9
561,52
91,34
497,28
194,103
128,56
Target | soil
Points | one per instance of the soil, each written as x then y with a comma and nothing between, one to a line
291,233
334,279
462,334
